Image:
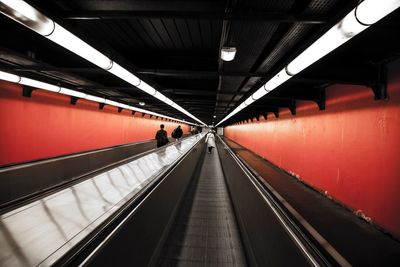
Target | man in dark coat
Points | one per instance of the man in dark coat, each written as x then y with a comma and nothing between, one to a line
162,137
177,133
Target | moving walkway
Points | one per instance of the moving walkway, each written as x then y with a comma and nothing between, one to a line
174,206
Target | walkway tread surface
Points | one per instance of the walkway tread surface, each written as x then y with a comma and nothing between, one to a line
357,241
205,232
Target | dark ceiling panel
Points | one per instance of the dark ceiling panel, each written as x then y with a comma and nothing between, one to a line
194,32
153,33
183,29
138,29
163,33
173,33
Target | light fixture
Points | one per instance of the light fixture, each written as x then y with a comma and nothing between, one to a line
9,77
69,41
23,13
160,96
125,75
70,92
249,101
228,53
259,93
62,90
38,84
214,116
369,12
28,16
360,18
142,103
95,98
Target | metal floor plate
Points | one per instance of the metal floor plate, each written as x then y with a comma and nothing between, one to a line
205,232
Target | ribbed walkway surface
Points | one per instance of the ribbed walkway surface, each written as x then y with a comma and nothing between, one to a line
205,232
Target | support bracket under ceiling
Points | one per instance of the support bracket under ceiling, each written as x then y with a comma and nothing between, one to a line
292,107
74,99
27,91
322,98
276,113
380,87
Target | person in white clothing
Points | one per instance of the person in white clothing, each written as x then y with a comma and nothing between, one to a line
210,140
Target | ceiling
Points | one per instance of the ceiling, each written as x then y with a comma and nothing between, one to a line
174,46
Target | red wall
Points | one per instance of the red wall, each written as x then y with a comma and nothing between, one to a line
46,125
350,150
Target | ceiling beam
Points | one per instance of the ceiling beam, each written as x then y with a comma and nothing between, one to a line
252,15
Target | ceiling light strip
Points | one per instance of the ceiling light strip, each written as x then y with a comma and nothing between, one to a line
62,90
28,16
359,19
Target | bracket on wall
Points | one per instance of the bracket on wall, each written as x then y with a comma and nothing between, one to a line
265,116
74,99
120,109
143,114
27,91
133,112
321,99
258,118
276,113
292,107
101,105
151,116
380,87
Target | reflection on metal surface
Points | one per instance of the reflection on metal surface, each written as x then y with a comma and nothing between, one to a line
41,232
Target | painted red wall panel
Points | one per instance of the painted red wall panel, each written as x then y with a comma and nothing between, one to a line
350,150
46,125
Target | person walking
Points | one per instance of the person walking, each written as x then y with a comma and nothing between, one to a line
177,133
161,137
210,140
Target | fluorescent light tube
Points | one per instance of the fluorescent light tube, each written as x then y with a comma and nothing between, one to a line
146,88
27,15
371,11
276,81
5,76
160,96
249,101
123,74
54,88
95,98
259,93
39,85
69,41
359,19
169,101
111,103
70,92
365,14
324,45
228,53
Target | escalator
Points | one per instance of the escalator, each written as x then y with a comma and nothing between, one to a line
205,230
192,209
222,218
